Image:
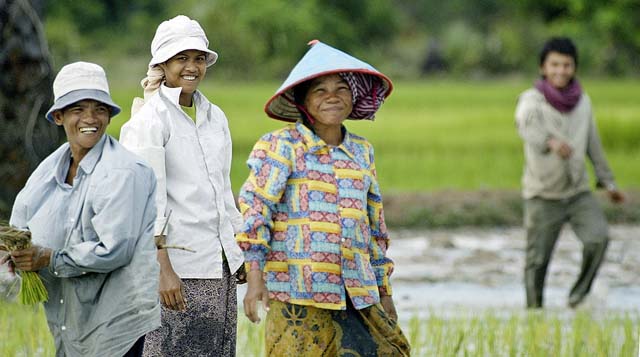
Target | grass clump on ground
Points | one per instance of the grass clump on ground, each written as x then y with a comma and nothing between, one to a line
536,333
486,333
24,331
493,334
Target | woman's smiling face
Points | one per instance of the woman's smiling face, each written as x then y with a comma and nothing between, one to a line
329,100
186,69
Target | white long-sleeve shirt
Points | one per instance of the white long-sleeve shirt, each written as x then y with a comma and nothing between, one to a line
546,175
192,162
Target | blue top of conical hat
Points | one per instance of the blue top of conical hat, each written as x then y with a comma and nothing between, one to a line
321,59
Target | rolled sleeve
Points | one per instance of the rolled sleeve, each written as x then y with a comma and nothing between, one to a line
382,265
119,213
146,136
229,201
595,152
530,126
258,198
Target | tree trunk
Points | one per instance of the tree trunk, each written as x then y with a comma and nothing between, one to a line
26,77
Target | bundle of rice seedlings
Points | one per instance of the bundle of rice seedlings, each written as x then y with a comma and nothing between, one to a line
32,291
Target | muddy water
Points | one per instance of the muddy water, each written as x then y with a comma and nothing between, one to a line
440,270
477,269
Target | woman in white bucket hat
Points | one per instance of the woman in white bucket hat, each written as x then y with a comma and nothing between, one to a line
186,140
90,209
314,237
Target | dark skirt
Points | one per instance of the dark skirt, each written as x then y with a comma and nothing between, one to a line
297,330
207,328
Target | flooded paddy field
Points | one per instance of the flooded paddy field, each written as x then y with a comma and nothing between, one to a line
478,269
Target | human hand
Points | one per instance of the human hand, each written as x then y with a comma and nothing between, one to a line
615,196
241,275
33,258
387,304
560,147
256,291
7,259
172,291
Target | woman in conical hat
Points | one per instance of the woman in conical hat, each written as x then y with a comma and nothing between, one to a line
314,237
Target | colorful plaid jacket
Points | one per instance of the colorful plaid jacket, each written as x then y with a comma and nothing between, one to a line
314,222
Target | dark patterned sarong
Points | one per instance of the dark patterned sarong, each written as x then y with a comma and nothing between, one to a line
207,328
297,330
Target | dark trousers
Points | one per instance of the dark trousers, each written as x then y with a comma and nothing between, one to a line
543,220
136,349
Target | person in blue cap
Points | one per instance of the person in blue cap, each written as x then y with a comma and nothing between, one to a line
314,237
90,208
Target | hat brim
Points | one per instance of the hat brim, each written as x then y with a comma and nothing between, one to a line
282,105
83,94
189,43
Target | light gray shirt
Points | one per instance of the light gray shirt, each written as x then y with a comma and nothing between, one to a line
192,161
103,275
546,174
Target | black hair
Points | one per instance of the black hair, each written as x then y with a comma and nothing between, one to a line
300,91
562,45
299,94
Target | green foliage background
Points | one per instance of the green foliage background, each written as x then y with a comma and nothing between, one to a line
433,134
444,134
262,39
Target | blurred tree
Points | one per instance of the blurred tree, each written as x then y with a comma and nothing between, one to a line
606,30
102,28
25,96
261,39
501,36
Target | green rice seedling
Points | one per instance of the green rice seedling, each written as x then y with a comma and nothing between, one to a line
24,331
512,333
32,290
250,340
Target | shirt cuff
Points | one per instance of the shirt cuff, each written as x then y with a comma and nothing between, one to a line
52,262
254,260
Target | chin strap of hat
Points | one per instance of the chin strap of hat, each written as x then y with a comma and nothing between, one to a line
300,108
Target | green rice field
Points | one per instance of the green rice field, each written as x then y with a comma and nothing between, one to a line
518,333
434,135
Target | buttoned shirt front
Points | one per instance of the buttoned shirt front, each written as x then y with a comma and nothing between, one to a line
102,279
192,161
314,222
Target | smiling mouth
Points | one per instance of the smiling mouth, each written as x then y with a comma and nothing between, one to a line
189,78
88,130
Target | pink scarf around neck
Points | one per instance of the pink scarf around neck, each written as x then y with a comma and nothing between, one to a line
565,99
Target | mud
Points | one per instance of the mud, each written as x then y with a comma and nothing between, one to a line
483,269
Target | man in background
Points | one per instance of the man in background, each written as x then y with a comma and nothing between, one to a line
556,123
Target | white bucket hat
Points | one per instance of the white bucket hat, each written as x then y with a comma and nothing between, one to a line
177,35
78,81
